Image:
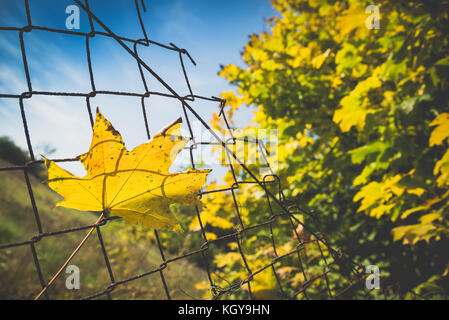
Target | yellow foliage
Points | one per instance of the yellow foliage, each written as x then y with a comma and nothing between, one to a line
355,105
212,208
351,19
429,203
230,71
377,194
318,61
438,135
425,230
226,259
441,131
350,115
233,100
263,281
417,191
442,168
211,236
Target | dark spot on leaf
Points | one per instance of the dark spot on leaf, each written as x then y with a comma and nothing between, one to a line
111,128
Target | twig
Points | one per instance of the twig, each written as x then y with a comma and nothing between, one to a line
70,258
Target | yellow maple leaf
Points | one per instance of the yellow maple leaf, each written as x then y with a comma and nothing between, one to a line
441,131
351,19
134,185
442,168
355,106
350,115
437,137
318,61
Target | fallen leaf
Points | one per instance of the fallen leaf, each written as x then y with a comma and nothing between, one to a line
134,185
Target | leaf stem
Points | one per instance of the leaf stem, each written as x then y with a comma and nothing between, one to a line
70,258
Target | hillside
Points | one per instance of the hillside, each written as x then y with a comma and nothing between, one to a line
131,250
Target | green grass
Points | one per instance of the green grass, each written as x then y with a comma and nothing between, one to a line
131,250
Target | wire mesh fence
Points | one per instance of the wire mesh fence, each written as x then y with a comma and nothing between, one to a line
279,207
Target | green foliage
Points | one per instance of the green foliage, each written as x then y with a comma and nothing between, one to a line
375,103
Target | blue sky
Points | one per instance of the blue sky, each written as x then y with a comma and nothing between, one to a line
213,31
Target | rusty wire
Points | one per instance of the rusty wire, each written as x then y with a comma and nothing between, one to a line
287,208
